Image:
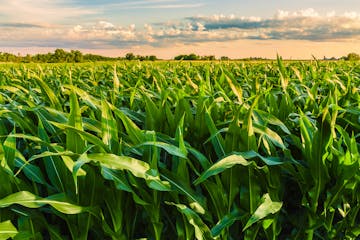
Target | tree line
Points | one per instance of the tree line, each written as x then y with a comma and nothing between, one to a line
75,56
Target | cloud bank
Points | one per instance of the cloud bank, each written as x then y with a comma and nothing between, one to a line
300,25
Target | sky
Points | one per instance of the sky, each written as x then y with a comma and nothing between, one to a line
166,28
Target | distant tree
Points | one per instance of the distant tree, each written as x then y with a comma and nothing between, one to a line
210,58
59,55
224,58
93,58
179,57
352,57
77,56
9,57
27,58
191,56
153,58
130,56
329,58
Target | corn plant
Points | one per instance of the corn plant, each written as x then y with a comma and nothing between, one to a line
189,150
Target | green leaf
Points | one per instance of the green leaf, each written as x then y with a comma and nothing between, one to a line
69,163
31,138
182,188
7,230
138,168
236,89
266,208
46,90
273,136
109,128
222,165
217,140
27,199
55,169
225,222
33,172
88,136
202,231
134,132
65,155
9,150
74,142
173,150
85,96
116,81
121,183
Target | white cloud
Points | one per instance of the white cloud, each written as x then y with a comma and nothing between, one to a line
106,25
331,14
352,15
284,25
200,26
304,24
309,12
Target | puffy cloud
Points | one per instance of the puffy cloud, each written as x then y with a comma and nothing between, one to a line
300,25
101,34
106,25
304,24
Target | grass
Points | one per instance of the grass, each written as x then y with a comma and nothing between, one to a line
180,150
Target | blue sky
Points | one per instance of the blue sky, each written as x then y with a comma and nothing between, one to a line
295,29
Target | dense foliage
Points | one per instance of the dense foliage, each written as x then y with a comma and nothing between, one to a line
73,56
193,56
169,150
76,56
352,57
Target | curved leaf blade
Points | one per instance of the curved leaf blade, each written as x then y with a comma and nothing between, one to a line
138,168
29,200
7,230
222,165
266,208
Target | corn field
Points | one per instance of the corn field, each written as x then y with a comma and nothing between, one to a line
180,150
